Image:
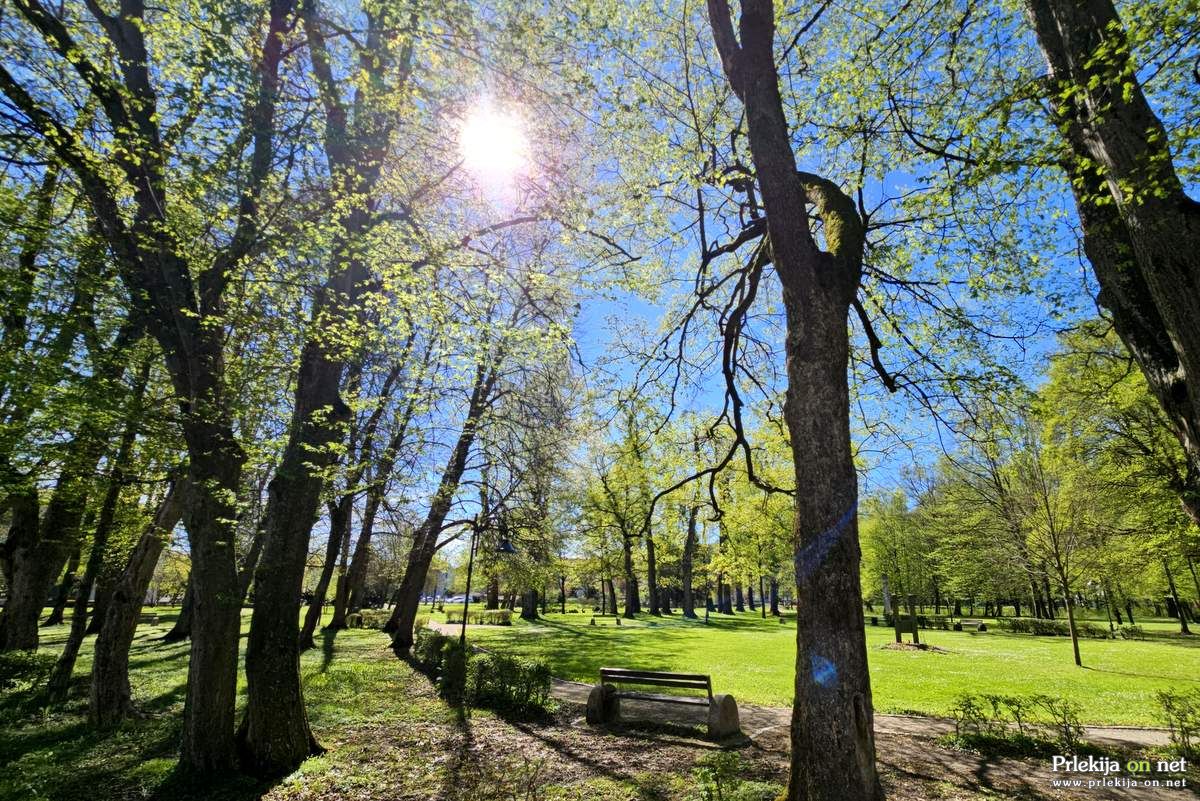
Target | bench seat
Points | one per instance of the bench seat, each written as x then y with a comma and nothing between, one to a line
604,701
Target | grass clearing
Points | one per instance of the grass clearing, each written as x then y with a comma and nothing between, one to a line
754,660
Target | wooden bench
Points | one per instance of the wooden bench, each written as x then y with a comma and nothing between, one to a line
973,625
604,701
148,617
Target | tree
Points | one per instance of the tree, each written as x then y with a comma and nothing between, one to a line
833,748
179,297
109,700
1141,230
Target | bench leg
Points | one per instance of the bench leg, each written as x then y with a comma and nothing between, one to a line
723,717
603,706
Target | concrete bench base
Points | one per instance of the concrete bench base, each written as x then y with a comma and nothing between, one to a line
604,706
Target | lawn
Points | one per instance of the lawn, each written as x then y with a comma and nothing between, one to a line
389,738
754,660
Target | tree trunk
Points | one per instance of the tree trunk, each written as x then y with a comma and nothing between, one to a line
685,564
214,614
356,577
400,624
182,628
493,594
340,518
60,677
1181,610
1048,597
274,736
1141,231
633,604
774,596
250,563
110,698
1195,577
64,590
912,616
652,576
529,605
1070,606
36,551
832,741
740,598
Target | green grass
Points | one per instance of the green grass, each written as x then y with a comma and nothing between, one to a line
370,709
389,738
754,660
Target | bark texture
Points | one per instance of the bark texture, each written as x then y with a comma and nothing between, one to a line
109,700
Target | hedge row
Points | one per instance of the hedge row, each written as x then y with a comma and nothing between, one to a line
1050,628
482,617
485,680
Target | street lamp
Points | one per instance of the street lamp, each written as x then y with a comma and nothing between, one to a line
505,547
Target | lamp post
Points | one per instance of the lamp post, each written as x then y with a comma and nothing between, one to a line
505,547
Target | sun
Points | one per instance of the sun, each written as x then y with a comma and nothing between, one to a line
493,145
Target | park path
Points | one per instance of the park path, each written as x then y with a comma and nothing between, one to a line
905,747
764,723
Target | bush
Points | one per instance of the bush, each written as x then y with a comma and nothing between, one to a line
427,649
1131,632
718,777
374,618
482,617
1051,628
507,684
24,668
1182,713
1031,719
452,677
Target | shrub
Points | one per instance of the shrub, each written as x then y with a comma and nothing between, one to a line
1063,718
1030,720
374,618
1131,632
482,617
20,668
507,684
718,777
427,649
452,677
970,717
1182,713
1050,628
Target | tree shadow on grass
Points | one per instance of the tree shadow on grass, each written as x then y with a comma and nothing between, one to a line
1132,674
182,786
328,638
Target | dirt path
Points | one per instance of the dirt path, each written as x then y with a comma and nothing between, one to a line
765,722
911,759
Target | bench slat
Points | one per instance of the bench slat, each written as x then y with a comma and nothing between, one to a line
683,685
653,674
669,699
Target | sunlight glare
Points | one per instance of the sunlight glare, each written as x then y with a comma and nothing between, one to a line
493,145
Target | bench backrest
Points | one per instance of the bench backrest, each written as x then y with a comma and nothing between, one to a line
654,678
